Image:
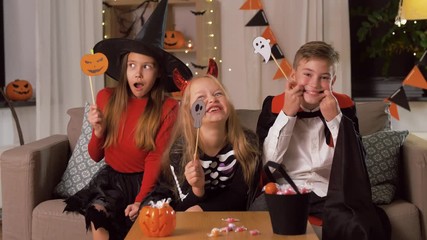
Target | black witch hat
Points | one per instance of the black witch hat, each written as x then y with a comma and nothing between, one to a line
149,41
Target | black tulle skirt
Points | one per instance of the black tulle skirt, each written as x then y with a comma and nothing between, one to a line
112,190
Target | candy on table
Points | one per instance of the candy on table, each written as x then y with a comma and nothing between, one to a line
240,229
230,220
254,232
215,232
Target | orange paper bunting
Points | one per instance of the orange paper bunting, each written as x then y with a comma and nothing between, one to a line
286,67
268,34
251,5
393,111
415,78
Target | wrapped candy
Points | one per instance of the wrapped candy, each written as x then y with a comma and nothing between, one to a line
284,189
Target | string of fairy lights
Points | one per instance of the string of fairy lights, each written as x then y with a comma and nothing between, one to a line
207,46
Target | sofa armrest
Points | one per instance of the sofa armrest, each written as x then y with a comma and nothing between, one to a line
414,160
29,174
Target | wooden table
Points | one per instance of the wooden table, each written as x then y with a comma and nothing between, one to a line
197,225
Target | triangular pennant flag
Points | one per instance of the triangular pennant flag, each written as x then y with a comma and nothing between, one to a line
392,108
399,97
393,111
276,52
286,67
260,19
251,5
415,78
268,34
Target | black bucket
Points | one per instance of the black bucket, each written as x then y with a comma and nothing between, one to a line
288,213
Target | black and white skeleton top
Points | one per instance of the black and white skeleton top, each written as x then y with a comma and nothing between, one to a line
225,187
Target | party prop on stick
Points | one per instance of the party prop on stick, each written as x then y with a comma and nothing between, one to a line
92,65
198,110
262,46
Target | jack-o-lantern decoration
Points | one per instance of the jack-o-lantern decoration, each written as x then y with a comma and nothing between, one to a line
19,90
94,64
157,220
174,40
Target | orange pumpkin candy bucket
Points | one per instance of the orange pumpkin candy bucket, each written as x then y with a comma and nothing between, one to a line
157,219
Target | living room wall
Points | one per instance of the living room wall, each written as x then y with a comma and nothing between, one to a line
20,62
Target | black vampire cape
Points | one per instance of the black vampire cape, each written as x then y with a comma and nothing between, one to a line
348,211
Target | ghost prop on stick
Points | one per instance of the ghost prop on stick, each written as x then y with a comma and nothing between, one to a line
262,46
198,110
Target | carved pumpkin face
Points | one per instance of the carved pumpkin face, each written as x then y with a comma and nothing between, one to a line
157,221
94,64
19,90
173,40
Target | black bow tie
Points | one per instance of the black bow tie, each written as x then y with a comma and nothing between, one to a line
328,136
302,114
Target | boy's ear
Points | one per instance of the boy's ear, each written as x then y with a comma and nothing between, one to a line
333,80
292,76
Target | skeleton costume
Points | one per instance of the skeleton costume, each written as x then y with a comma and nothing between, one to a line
225,188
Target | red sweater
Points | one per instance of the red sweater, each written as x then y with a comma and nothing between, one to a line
125,156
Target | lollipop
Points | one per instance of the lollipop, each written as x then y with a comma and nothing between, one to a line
262,46
92,65
198,110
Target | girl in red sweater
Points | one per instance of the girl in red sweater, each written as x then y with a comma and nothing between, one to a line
131,125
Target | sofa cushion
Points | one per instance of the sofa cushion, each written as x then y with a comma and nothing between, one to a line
51,222
404,219
373,117
382,161
81,168
74,125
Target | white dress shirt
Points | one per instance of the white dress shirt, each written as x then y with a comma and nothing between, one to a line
299,145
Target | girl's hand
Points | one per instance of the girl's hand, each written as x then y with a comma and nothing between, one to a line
95,118
293,98
132,211
195,176
195,208
329,106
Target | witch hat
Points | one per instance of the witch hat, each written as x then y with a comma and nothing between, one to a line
348,211
149,41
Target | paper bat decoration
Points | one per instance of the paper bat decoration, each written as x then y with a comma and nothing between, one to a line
198,66
198,12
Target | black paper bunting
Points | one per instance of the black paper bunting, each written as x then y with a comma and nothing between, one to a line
258,20
415,78
276,52
399,98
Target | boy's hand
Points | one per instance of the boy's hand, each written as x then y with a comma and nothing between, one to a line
195,176
95,118
293,98
329,106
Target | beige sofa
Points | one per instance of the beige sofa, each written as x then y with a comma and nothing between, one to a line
30,173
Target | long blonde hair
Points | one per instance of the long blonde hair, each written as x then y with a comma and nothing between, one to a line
149,121
247,153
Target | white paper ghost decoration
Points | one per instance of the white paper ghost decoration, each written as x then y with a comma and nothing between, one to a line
262,46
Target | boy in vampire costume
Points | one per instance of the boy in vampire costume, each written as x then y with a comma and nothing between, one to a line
313,133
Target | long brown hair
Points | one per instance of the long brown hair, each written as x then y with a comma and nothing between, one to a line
149,121
247,153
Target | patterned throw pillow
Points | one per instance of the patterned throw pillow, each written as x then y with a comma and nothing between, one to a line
81,168
382,162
